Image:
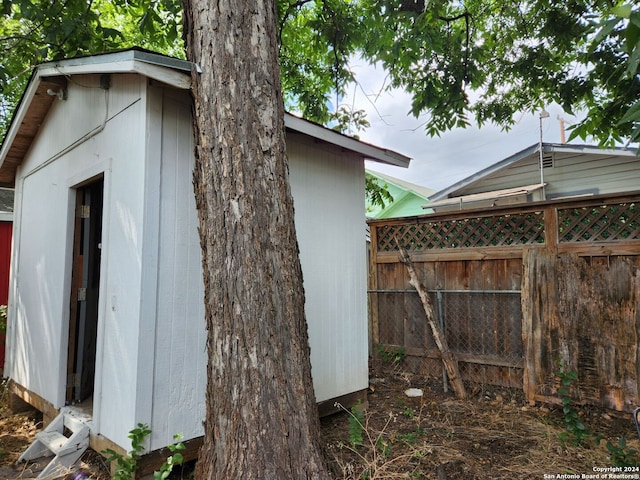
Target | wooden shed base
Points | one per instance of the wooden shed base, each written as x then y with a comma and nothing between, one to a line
329,407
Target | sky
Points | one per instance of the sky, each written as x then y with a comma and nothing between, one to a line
438,162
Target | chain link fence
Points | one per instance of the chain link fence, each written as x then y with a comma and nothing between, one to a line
483,329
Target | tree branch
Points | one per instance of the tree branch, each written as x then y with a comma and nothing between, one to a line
450,362
294,6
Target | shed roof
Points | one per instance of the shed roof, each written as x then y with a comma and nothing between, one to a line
51,77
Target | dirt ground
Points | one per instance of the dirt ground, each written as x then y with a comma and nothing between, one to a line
492,435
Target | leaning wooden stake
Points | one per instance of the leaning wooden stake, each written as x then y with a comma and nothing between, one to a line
450,363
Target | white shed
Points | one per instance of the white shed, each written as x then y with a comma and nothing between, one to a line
106,307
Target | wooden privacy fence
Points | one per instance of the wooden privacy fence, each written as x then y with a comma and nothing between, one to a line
518,290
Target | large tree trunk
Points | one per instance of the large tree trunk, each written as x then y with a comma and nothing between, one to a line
262,419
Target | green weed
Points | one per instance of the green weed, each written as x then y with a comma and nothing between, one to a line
172,461
391,355
356,425
575,431
621,455
126,465
412,437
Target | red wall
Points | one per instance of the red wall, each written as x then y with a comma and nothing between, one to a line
5,261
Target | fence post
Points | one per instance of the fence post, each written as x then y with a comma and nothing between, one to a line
551,228
445,384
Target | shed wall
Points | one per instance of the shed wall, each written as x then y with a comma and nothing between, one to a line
328,190
180,356
151,340
75,144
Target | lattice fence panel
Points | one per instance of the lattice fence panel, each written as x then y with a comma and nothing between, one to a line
473,232
619,221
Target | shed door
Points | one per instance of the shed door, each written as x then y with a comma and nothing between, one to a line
83,322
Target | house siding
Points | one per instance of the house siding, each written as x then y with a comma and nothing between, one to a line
571,174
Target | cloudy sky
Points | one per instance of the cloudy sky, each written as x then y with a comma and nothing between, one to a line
441,161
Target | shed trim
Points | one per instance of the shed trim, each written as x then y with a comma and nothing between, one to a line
370,152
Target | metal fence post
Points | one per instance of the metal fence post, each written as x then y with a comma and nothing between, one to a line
441,318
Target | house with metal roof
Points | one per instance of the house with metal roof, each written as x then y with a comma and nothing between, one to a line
552,172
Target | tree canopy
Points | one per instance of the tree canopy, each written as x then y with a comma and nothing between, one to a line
459,60
473,59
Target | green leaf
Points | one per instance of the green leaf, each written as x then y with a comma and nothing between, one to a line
622,11
178,459
632,115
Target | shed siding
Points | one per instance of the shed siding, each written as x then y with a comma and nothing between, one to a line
328,190
151,358
180,337
44,236
37,312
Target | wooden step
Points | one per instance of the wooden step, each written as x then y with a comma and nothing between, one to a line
54,441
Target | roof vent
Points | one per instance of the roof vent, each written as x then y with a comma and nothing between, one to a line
547,161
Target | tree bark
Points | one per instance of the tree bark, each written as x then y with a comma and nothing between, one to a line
261,416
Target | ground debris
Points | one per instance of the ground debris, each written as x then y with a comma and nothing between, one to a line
493,435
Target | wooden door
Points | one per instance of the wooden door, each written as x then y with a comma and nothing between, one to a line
83,322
